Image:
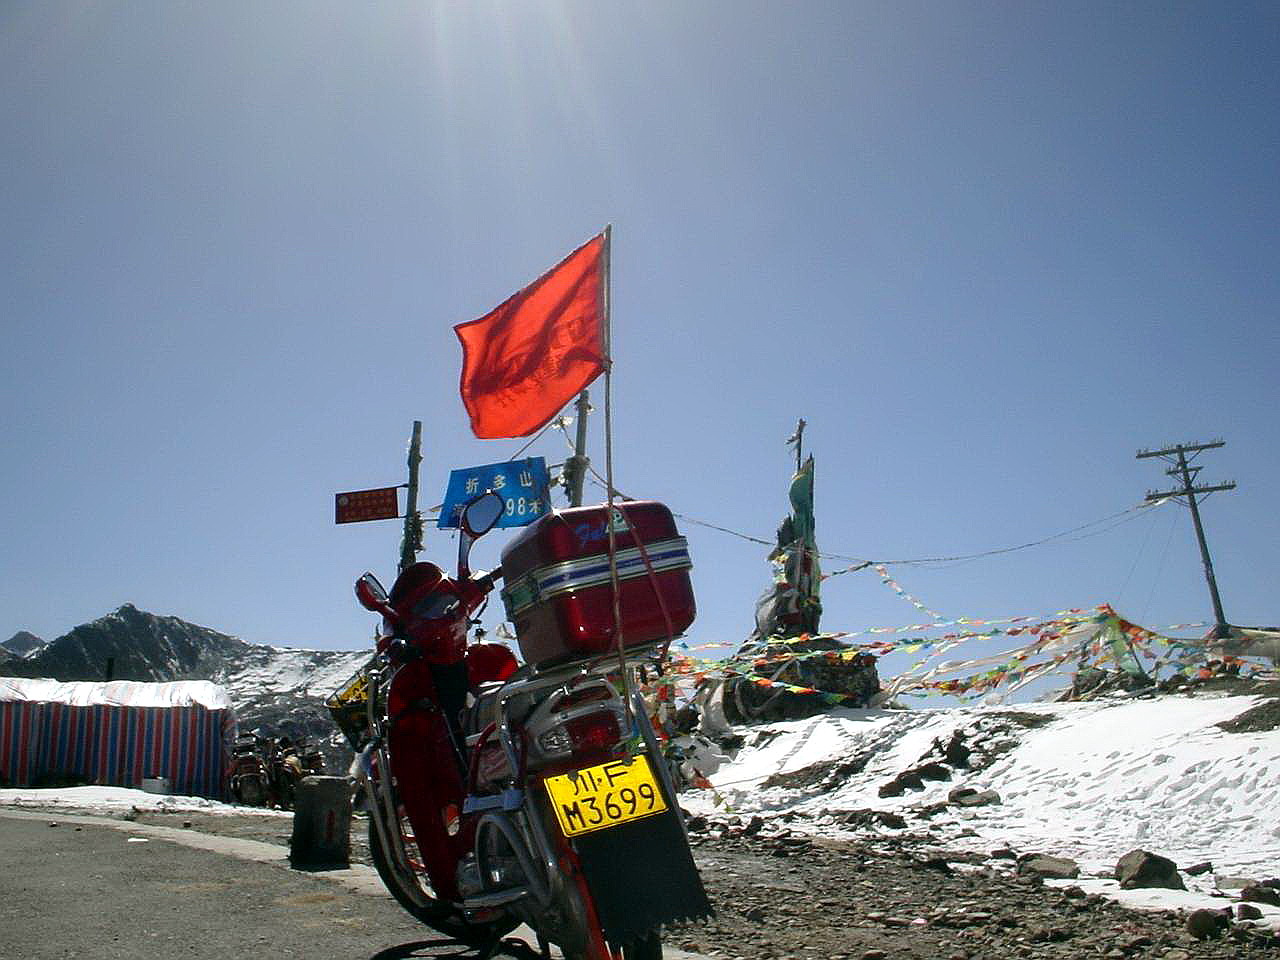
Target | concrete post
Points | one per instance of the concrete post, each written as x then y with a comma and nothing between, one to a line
321,823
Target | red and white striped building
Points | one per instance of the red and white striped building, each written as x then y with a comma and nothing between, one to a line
116,733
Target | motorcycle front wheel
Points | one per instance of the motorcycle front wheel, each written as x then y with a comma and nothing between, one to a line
436,914
249,791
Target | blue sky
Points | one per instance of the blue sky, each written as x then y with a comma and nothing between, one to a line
987,251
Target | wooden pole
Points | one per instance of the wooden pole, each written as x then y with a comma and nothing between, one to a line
1181,469
578,472
412,540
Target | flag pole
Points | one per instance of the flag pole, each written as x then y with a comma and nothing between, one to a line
608,471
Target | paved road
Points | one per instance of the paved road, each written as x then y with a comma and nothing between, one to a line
90,891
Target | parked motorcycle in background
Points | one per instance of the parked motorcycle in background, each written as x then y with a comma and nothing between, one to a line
250,780
501,793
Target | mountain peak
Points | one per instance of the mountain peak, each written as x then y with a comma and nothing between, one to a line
131,644
23,644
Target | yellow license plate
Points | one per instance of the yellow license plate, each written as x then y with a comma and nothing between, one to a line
605,795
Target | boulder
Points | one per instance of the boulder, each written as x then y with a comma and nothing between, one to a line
1048,867
1247,911
956,751
933,771
971,797
1226,881
1203,924
1198,868
906,780
1260,893
800,662
1141,868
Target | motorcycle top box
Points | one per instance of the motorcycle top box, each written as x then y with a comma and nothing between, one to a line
557,577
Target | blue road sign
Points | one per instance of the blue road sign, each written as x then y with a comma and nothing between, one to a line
523,484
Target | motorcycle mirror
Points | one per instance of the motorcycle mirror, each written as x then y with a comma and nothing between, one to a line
478,518
371,594
482,513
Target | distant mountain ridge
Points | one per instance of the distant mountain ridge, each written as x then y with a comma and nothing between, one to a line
279,689
138,646
22,644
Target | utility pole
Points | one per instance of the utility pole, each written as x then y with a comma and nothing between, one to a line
575,468
412,541
798,439
1181,469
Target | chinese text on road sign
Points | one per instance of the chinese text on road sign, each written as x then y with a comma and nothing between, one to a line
361,505
522,484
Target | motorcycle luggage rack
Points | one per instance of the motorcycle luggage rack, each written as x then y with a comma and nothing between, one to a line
572,663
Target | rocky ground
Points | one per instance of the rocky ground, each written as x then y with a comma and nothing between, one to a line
795,898
792,898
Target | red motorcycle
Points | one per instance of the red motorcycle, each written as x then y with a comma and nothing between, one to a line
501,793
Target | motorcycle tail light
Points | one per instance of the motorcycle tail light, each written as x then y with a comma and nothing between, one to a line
585,695
593,732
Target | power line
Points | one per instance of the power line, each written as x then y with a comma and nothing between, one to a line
863,563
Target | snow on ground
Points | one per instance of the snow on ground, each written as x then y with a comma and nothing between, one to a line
1090,781
115,800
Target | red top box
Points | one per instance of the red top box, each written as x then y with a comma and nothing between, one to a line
557,581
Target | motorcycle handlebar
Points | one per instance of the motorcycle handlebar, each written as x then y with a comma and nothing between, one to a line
489,580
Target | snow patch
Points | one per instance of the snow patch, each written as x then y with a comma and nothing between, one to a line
1090,781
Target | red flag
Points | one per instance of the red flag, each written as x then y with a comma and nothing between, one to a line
525,360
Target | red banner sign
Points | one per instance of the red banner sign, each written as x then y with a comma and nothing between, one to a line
359,505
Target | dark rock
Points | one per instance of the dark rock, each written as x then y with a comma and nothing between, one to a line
956,753
1004,853
1247,911
1204,924
1264,716
930,810
1091,683
1043,865
1141,868
1049,935
756,914
801,663
754,825
1226,881
730,741
1198,868
906,780
874,955
1258,893
825,775
969,797
937,863
933,771
870,818
696,824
